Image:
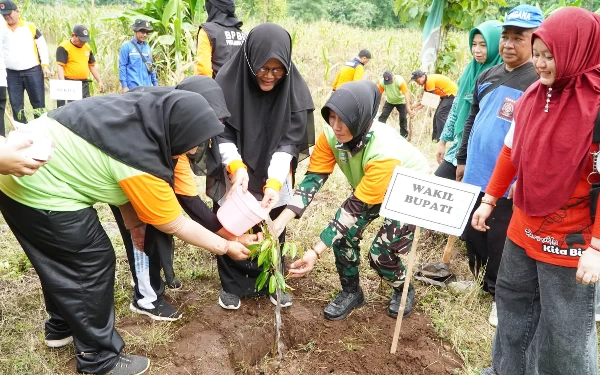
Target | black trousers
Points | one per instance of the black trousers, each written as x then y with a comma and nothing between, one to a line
239,277
440,117
85,93
446,170
387,110
75,262
485,248
2,110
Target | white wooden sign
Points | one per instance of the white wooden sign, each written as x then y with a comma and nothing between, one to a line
429,201
430,100
65,90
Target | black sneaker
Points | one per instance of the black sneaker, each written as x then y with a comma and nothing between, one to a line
395,301
130,365
54,340
175,285
163,311
229,301
345,302
285,299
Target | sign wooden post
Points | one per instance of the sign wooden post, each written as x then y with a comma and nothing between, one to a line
448,249
430,202
407,278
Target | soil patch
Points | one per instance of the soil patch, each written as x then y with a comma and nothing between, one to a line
215,341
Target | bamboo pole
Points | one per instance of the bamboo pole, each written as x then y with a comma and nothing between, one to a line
407,278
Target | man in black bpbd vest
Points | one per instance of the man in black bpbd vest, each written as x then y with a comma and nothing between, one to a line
218,38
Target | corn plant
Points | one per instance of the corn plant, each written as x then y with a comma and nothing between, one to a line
269,258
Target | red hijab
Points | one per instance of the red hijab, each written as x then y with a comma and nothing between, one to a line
551,149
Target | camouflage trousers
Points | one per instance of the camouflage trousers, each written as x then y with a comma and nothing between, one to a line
392,239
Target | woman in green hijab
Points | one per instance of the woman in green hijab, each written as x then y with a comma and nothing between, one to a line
484,41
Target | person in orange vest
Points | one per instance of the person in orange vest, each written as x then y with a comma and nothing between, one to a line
218,38
441,86
75,61
353,69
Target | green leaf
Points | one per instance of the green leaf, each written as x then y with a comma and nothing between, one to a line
166,40
261,280
272,284
281,281
254,249
265,244
286,247
293,250
262,257
413,11
169,12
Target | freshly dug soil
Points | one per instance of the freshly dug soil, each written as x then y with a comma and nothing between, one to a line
213,341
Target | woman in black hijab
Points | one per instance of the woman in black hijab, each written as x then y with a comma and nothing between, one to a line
270,130
218,38
116,149
158,250
367,152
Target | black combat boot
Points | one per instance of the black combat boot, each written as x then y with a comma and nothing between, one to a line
350,297
394,305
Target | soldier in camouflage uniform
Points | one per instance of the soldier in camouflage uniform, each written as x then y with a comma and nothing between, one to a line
367,152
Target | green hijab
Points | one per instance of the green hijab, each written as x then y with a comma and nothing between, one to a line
490,30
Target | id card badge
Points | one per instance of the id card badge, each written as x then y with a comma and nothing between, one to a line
344,157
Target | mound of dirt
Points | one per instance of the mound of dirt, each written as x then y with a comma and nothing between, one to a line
214,341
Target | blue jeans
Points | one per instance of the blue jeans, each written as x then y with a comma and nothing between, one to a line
545,319
30,80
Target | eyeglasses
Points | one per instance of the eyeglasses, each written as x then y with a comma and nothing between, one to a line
277,72
144,31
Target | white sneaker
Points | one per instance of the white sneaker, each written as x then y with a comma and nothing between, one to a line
494,315
59,343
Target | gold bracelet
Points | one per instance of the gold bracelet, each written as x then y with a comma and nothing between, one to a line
315,251
488,201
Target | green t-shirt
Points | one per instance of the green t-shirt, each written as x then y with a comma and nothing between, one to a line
65,183
383,143
393,94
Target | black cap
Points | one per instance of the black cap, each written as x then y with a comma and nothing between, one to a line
141,24
388,77
416,74
7,6
82,33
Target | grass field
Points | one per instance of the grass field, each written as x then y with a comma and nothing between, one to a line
319,49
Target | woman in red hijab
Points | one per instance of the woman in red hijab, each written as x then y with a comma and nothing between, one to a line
551,262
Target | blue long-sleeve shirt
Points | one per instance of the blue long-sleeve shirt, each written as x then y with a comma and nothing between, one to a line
132,70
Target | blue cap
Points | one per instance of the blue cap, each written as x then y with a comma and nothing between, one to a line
525,16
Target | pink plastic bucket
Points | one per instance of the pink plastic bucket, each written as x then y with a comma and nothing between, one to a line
240,212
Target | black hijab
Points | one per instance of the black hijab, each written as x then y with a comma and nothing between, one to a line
222,12
263,120
205,86
142,129
210,90
356,103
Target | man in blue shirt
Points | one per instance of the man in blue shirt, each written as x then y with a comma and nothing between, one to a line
136,66
492,106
